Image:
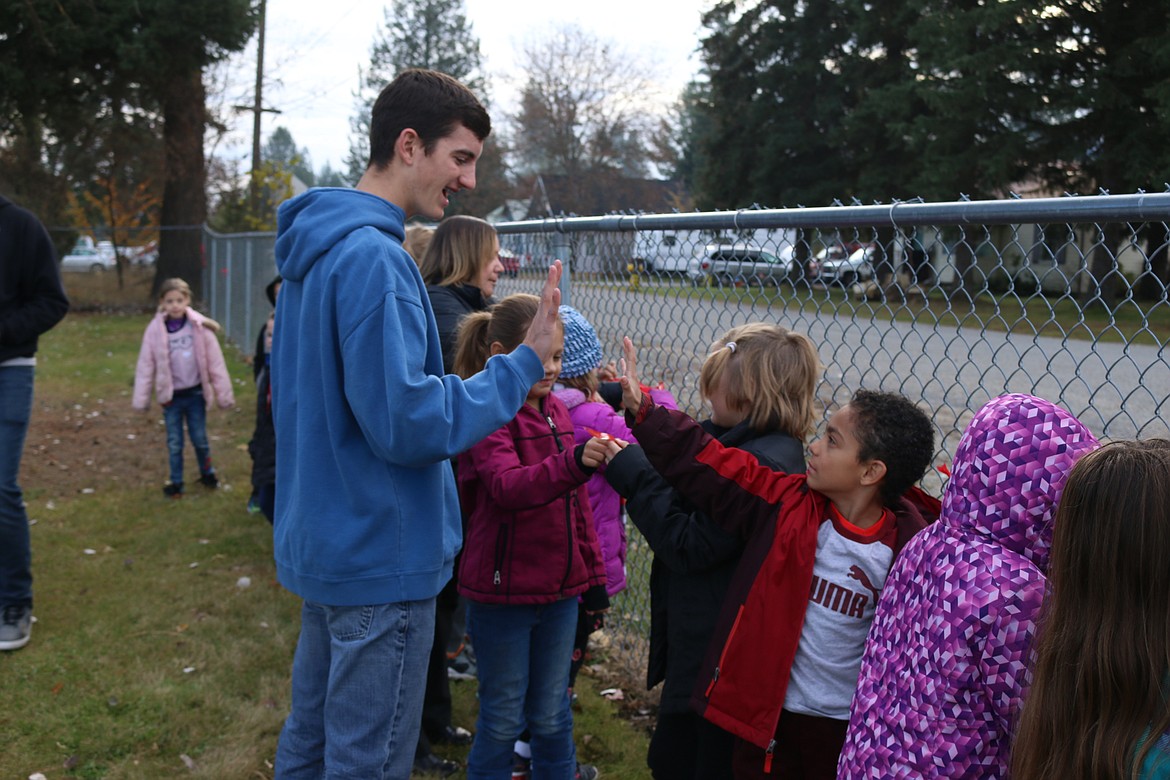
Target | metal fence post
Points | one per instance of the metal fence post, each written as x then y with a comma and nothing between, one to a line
562,248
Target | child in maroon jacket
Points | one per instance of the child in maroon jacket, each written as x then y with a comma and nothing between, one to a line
530,551
782,665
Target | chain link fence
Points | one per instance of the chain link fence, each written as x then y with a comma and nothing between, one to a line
237,267
949,304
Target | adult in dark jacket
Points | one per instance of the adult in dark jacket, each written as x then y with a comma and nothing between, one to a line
31,302
460,268
694,559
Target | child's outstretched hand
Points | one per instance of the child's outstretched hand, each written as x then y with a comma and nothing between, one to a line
607,372
595,451
544,327
613,447
631,390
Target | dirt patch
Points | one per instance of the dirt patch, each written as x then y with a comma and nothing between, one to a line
76,446
614,666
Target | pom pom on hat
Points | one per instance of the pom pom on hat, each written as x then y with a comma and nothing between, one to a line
582,347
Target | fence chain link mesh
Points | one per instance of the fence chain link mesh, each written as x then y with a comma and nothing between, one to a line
950,304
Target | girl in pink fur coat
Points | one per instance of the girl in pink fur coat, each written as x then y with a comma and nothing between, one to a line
181,359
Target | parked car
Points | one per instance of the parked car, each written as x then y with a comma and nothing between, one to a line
511,262
832,266
147,254
730,264
91,257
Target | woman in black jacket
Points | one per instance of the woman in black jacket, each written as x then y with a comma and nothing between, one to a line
760,381
460,268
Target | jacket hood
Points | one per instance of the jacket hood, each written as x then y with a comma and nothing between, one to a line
310,224
1009,471
571,397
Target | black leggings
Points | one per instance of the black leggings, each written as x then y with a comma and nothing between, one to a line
687,747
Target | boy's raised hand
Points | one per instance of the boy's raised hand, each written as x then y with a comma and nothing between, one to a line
544,324
631,390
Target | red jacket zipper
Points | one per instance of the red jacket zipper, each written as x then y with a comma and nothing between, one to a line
723,653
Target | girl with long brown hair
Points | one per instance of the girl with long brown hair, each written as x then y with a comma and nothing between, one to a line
1098,707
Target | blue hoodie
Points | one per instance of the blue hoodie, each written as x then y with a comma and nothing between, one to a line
366,507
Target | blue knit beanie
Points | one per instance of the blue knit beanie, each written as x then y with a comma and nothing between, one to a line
582,347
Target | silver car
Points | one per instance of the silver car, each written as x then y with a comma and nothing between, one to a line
846,270
739,264
88,256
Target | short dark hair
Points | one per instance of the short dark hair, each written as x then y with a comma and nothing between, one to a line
890,428
433,104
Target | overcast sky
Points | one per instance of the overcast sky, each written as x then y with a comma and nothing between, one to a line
313,51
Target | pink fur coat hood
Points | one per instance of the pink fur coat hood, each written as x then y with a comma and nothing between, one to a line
154,364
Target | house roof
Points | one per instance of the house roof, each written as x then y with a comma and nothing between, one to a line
595,194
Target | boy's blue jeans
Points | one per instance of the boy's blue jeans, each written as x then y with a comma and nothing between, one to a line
16,394
522,657
357,691
189,404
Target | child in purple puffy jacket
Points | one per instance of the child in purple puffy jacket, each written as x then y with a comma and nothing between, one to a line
578,390
945,663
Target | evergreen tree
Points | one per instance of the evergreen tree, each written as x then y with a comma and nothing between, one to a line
775,105
682,136
68,66
281,150
884,99
432,34
327,177
979,88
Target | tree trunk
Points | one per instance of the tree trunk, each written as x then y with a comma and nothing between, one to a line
883,257
1103,269
800,255
184,205
1156,278
964,288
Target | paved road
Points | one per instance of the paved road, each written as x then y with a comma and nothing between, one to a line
1120,391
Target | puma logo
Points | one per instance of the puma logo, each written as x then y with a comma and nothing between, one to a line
855,573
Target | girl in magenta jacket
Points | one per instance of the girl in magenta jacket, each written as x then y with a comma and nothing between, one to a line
181,360
578,390
530,552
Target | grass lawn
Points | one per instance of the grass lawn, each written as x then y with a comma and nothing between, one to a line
1128,320
164,643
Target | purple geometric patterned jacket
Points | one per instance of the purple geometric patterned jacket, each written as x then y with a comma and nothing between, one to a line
945,664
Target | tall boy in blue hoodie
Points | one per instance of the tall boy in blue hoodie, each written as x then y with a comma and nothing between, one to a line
367,520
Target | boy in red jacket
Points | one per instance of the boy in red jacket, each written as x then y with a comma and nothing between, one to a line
782,666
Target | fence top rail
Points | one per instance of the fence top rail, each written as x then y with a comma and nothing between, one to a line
1142,207
253,234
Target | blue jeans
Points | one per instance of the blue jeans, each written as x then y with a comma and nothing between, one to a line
189,405
357,691
522,658
16,393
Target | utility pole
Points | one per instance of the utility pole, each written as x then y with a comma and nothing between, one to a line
256,113
257,108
